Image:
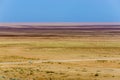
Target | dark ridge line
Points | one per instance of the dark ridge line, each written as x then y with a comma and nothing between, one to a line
86,35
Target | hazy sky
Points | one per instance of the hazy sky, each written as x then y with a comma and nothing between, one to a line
59,10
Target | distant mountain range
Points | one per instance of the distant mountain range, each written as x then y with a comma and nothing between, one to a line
59,29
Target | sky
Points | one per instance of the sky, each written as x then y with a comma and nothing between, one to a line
59,10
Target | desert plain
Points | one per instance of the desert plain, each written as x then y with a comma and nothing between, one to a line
60,52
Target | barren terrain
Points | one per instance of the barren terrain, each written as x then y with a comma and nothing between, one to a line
59,52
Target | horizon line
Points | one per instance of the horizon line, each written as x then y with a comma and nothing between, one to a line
60,23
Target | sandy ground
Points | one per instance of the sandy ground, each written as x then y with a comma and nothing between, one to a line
77,60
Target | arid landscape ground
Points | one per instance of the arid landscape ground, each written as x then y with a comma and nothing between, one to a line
59,52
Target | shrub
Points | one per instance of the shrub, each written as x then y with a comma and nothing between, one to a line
96,74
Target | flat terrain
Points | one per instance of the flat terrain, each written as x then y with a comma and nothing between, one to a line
30,52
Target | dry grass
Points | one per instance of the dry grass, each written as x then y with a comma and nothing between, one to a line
62,71
37,48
